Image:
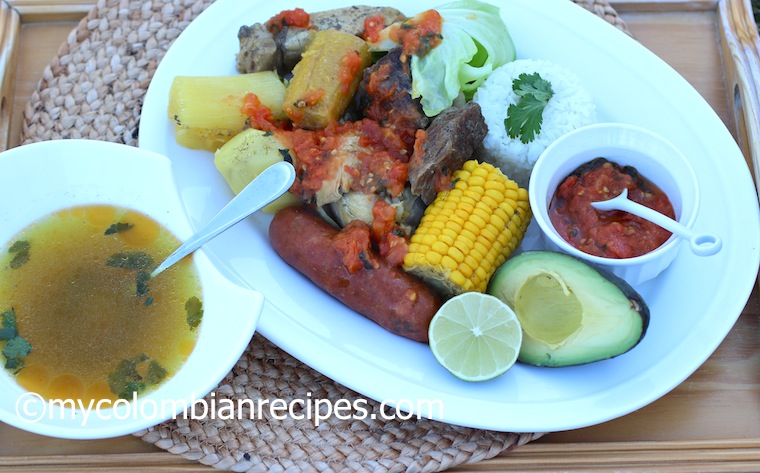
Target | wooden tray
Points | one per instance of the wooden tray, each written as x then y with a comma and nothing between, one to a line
711,422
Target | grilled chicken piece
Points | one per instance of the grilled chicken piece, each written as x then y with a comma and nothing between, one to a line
338,180
358,206
256,52
452,138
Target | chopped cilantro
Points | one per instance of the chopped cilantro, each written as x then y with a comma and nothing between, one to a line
125,380
8,329
148,301
20,249
138,260
135,260
194,309
524,119
16,347
135,374
7,333
156,373
142,279
118,228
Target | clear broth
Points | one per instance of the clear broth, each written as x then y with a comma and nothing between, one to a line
83,317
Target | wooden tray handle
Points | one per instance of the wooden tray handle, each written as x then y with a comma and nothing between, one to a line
740,46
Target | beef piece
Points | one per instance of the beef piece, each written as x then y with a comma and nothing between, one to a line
452,138
384,95
290,43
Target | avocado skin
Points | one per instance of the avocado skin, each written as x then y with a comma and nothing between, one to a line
535,352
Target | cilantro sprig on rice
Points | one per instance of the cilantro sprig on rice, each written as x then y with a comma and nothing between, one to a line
525,117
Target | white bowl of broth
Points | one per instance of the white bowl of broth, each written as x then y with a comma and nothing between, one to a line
92,348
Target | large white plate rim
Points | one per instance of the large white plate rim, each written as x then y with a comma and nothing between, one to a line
649,385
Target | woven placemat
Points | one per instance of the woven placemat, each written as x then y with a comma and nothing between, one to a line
94,89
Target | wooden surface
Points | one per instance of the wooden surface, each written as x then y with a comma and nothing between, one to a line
711,422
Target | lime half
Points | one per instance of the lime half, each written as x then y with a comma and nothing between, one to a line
475,336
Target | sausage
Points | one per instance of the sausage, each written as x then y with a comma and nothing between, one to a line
397,301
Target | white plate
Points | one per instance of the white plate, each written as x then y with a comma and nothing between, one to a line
693,304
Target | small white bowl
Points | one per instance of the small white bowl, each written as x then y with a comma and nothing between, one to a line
652,155
44,177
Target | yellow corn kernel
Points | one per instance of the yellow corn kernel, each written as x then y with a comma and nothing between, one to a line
467,232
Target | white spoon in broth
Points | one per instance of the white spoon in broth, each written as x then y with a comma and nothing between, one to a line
702,244
263,190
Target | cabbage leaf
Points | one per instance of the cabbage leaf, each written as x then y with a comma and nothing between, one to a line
475,42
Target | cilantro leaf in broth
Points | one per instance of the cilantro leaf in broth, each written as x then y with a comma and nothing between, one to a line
125,380
141,281
194,309
156,373
15,350
137,260
118,228
7,333
17,347
524,118
134,375
9,324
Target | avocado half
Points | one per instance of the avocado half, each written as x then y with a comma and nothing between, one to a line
571,313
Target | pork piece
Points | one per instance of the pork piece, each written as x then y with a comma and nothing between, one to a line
384,95
452,138
258,50
257,54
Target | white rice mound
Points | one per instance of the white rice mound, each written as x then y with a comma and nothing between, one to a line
569,108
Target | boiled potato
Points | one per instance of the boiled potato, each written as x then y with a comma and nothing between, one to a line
245,156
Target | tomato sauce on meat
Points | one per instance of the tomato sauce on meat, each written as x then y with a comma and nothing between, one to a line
372,28
385,107
357,241
391,240
380,152
354,244
610,234
296,17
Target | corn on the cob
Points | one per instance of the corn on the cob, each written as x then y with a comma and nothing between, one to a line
470,230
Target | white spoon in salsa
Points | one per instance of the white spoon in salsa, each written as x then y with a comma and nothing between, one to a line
702,244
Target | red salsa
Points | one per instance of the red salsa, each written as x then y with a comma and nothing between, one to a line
419,34
373,25
297,17
350,64
379,162
259,115
614,233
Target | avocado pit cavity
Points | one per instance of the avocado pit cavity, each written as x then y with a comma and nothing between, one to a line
548,310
